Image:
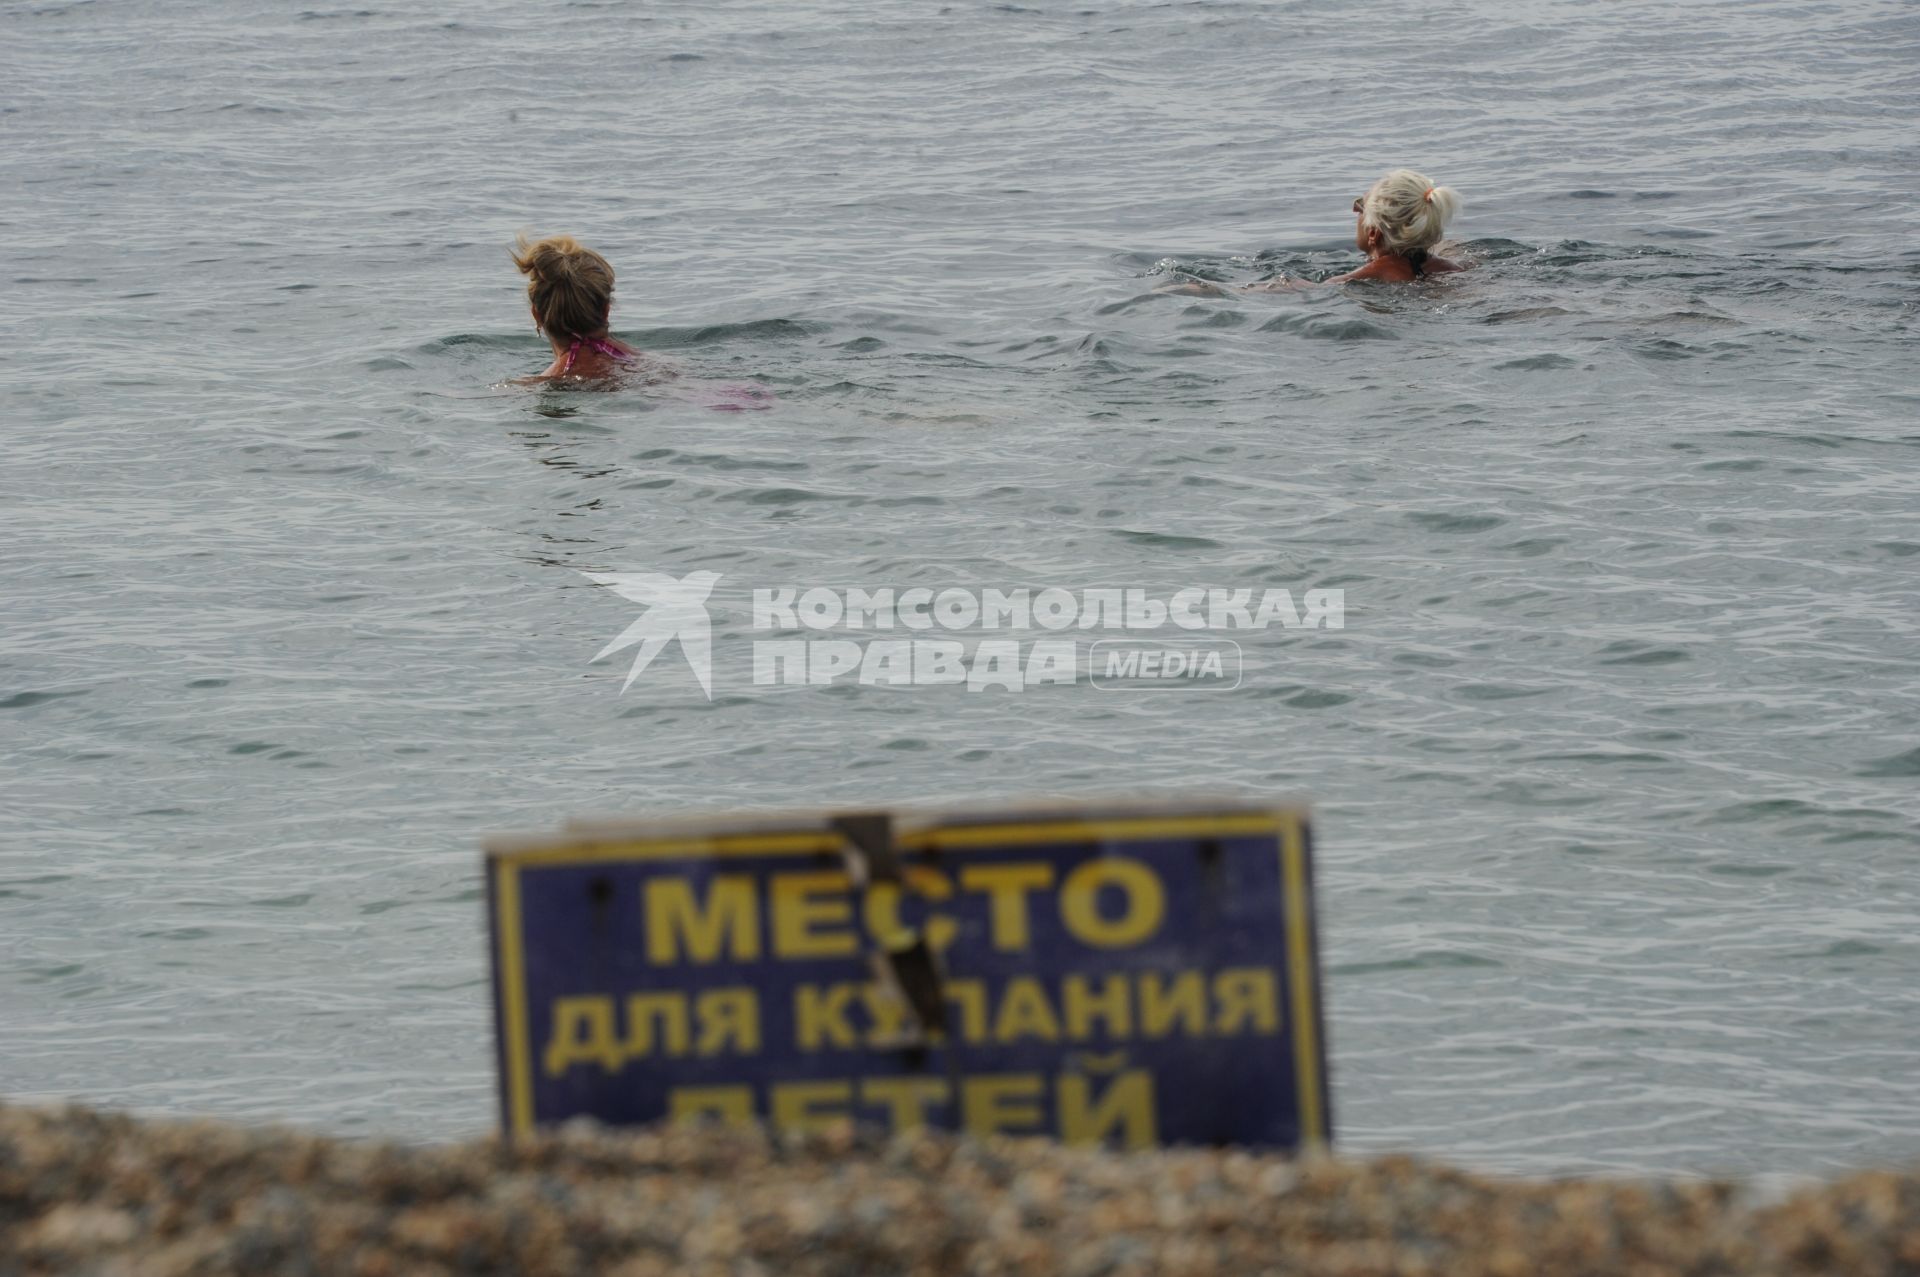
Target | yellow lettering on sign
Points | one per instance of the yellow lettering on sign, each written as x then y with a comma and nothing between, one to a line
1112,1007
1000,1102
1007,888
1127,1104
1086,1109
805,909
810,1106
882,908
730,920
582,1033
1185,1000
820,1017
729,1019
1025,1013
1245,999
646,1012
1145,908
892,1018
970,996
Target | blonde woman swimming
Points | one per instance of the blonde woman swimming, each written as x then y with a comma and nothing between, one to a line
1397,224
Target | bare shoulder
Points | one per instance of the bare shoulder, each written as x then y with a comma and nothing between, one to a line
1371,270
1441,266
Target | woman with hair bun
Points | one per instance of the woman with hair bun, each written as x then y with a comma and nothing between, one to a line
1398,222
570,291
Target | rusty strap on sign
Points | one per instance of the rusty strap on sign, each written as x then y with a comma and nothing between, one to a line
903,963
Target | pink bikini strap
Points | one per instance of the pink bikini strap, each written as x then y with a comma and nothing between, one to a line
606,348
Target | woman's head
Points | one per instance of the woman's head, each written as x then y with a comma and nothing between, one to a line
1404,213
570,287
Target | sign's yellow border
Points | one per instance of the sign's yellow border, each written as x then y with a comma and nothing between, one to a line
1285,824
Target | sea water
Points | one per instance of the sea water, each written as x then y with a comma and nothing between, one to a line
1614,759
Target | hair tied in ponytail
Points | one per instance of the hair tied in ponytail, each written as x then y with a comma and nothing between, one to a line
570,287
1409,209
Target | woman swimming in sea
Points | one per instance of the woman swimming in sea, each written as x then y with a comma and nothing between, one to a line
570,291
1397,224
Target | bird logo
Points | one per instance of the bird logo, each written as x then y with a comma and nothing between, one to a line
675,610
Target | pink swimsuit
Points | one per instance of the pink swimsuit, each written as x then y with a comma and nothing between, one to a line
726,397
597,344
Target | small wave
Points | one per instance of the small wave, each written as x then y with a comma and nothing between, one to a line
1632,653
1539,363
1429,960
752,330
1495,249
1194,269
1167,540
1907,764
1525,313
1325,328
485,341
26,700
1438,522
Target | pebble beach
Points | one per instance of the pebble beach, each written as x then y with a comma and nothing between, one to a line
88,1192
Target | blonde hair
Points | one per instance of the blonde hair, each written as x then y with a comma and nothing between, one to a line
1409,211
570,286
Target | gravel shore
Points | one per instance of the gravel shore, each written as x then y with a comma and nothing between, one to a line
85,1192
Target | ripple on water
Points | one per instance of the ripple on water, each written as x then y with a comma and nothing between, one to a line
1907,764
27,700
1436,521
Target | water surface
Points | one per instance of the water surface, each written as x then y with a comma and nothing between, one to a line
1615,761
